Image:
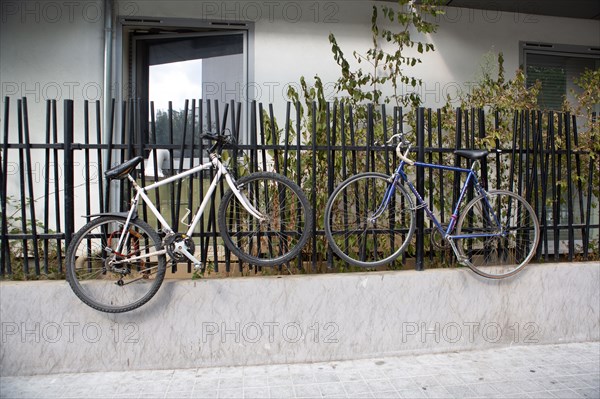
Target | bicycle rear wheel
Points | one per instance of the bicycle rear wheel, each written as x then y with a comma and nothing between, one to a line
353,233
110,279
505,233
284,231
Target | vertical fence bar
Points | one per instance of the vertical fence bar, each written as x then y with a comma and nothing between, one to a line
430,187
86,155
484,161
578,179
122,184
471,138
420,188
173,204
172,169
274,139
536,136
181,159
286,138
141,143
235,133
343,140
370,155
153,140
457,161
386,151
201,129
253,138
344,157
130,139
470,143
588,218
544,158
298,164
213,208
440,160
68,172
5,265
440,146
36,254
100,167
527,150
109,154
352,141
545,185
555,187
298,143
191,188
571,230
331,132
57,207
498,150
222,119
261,115
313,191
22,187
540,175
559,193
47,187
399,123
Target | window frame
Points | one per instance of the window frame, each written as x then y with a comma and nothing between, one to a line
555,49
124,59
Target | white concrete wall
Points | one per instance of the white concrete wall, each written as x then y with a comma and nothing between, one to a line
54,49
268,320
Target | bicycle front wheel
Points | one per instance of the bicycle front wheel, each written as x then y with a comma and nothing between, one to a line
501,234
365,229
110,278
284,229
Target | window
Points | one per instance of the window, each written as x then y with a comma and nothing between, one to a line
556,66
175,60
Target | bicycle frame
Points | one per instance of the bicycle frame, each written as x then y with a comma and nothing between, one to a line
400,174
221,171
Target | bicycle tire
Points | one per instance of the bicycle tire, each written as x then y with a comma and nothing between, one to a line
498,257
362,194
286,229
97,287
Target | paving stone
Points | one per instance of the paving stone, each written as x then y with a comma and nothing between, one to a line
534,371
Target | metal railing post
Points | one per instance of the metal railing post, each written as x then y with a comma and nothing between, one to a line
420,188
68,172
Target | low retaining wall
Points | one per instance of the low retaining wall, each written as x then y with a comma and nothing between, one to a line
269,320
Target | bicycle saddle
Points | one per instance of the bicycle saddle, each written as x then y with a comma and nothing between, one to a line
472,154
121,171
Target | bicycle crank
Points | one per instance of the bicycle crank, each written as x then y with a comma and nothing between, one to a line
437,239
176,244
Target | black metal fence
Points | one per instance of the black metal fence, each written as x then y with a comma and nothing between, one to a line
52,174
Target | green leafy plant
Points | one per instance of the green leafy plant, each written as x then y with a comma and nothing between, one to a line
390,57
19,258
386,70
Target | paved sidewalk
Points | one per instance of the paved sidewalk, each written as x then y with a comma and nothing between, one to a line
535,371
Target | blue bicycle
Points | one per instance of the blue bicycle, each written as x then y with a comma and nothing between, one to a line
370,220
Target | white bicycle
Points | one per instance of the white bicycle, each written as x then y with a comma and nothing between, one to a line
117,262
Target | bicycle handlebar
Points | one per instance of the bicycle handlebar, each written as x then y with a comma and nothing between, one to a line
220,141
403,157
